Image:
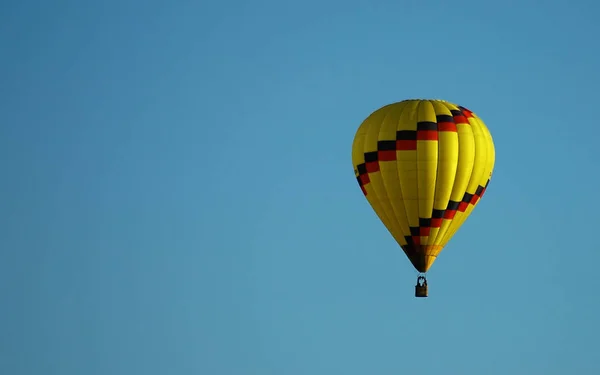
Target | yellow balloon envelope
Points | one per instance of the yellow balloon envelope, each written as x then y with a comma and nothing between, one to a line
423,165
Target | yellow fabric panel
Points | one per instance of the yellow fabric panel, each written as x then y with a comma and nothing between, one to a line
466,159
481,153
359,158
380,209
447,162
491,159
389,172
407,166
427,161
480,177
477,174
479,161
458,155
446,173
377,183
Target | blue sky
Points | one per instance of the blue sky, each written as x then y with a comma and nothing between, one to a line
178,194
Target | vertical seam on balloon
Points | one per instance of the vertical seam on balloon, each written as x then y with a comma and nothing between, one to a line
447,235
385,187
454,178
412,116
463,217
486,136
431,241
383,211
437,168
479,125
402,109
417,165
491,148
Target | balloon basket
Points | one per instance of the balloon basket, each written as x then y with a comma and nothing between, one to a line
421,287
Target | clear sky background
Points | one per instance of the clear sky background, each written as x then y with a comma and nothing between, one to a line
177,193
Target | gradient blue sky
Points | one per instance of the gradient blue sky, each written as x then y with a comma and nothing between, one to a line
177,194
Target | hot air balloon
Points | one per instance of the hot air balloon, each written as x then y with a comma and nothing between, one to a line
423,166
